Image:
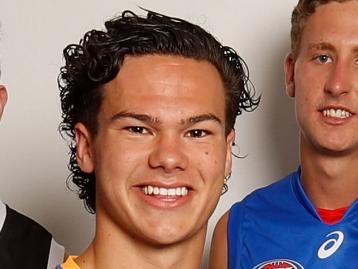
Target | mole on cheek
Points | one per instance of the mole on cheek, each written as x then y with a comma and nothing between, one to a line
206,153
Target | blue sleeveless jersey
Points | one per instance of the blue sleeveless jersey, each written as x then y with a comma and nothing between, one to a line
277,227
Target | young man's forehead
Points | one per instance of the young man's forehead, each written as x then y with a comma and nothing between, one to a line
188,93
330,27
139,70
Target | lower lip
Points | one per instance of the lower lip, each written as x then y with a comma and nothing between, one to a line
164,202
335,121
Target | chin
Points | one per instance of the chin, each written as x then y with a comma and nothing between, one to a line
337,149
330,145
165,237
164,241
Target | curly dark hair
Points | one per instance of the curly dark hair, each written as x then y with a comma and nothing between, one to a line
98,57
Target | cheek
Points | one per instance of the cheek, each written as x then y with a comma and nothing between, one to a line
115,159
114,172
211,161
307,91
310,80
302,101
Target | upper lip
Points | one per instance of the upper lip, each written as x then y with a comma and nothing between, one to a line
335,107
168,184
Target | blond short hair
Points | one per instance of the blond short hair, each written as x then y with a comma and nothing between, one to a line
303,10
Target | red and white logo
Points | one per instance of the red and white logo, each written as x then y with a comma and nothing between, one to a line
279,264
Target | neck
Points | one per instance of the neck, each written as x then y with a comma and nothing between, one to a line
330,180
117,249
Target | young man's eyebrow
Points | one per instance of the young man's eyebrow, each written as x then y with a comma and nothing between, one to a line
141,117
321,46
327,46
202,117
153,120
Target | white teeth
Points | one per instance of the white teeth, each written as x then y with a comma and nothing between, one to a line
156,191
336,113
178,191
172,192
163,191
152,190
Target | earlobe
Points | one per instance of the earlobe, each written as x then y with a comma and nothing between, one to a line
229,143
290,75
3,99
84,148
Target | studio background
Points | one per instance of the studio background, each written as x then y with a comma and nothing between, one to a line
34,157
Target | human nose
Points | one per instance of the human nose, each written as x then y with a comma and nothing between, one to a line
168,154
340,80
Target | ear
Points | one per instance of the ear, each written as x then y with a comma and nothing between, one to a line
84,148
3,99
290,75
229,142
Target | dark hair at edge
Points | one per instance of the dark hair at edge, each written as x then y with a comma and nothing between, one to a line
98,57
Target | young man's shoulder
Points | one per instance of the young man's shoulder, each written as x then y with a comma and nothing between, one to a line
269,197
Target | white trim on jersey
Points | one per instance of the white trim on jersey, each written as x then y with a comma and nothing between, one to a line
2,214
56,255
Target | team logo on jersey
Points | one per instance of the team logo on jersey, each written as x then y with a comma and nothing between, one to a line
330,246
279,264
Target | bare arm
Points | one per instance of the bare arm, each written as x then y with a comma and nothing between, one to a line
218,252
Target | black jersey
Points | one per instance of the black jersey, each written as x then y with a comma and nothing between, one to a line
24,243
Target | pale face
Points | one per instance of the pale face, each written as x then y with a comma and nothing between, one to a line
324,79
161,153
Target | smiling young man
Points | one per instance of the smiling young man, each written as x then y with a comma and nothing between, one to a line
150,105
308,219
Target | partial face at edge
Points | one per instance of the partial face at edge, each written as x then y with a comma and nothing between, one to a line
324,79
3,99
161,129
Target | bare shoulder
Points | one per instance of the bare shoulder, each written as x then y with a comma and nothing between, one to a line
218,252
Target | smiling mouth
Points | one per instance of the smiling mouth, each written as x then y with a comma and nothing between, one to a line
336,113
169,192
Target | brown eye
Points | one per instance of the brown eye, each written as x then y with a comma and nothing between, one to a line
137,129
197,133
